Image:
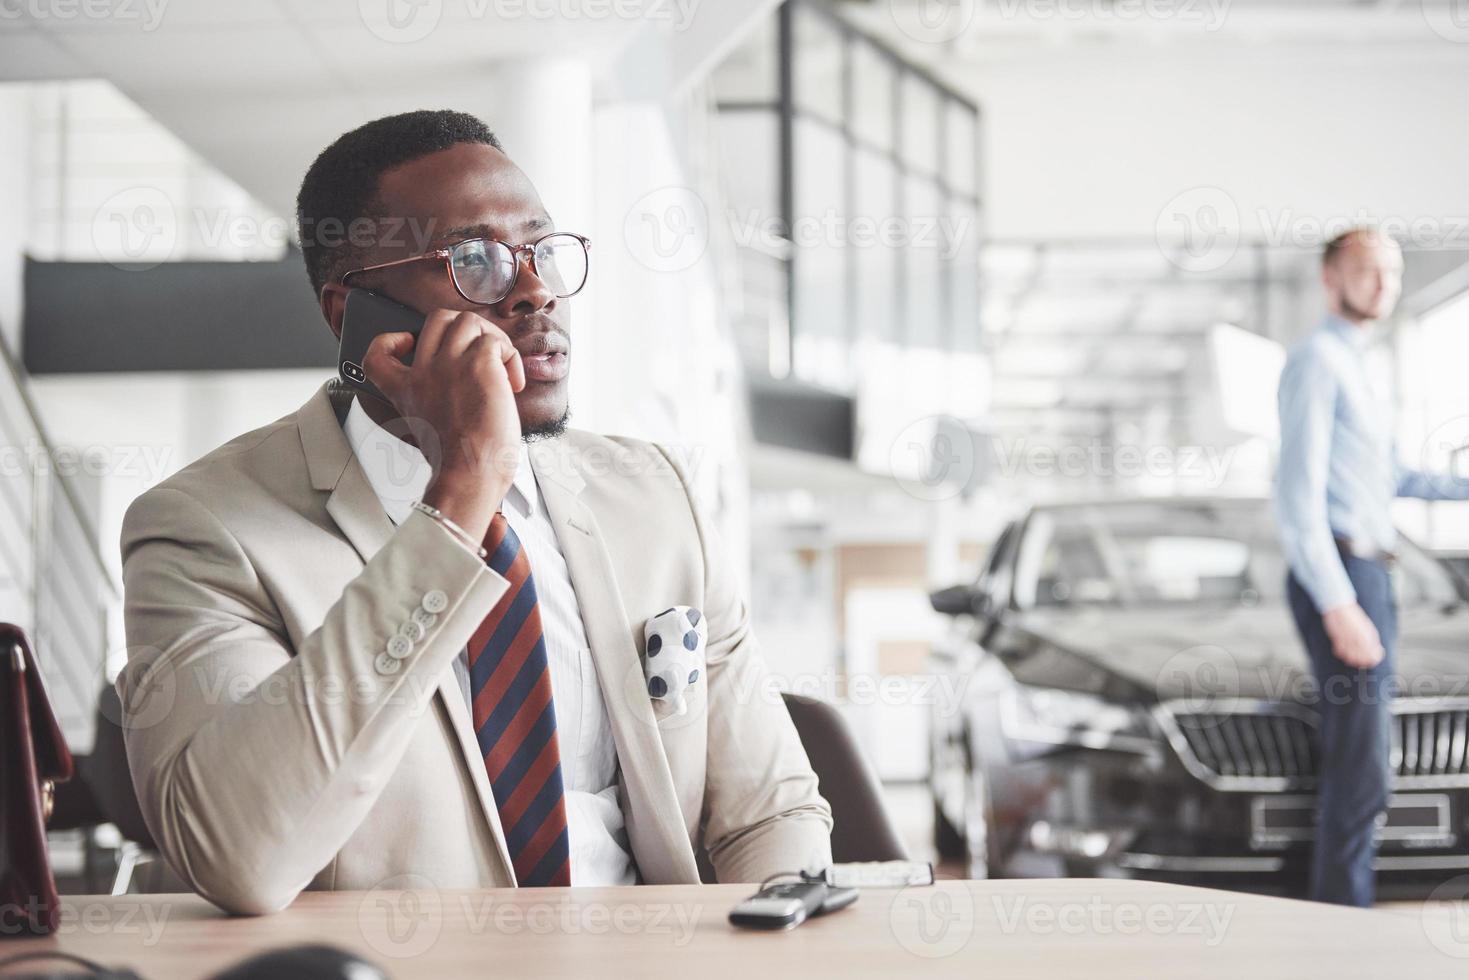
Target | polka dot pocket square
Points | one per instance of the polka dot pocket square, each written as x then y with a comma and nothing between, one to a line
674,658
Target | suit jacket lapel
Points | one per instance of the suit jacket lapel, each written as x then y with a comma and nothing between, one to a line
654,821
334,468
355,508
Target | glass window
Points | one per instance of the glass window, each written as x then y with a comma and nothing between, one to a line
1185,553
819,232
872,102
884,239
994,581
1433,417
918,117
749,148
877,261
961,149
921,239
961,244
819,48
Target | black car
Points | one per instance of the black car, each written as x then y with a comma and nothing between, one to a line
1129,696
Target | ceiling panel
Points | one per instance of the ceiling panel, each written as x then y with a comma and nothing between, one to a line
27,55
152,16
248,61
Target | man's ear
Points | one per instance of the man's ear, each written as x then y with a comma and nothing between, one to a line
333,301
1330,276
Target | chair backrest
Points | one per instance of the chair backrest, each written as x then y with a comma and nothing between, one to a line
106,771
861,828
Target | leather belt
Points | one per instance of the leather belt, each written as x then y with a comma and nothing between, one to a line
1348,548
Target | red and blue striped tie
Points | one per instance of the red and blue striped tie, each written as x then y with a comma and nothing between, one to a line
515,719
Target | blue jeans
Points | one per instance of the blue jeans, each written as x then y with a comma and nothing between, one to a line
1354,781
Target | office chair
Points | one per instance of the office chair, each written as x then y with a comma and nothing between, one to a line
106,772
861,828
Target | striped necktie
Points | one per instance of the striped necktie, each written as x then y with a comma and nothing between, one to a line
515,719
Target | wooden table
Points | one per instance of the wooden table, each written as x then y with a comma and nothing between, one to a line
974,929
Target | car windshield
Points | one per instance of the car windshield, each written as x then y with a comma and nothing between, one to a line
1178,552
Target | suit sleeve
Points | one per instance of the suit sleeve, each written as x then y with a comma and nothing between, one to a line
255,761
763,812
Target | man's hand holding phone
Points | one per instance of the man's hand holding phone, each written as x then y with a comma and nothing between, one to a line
462,385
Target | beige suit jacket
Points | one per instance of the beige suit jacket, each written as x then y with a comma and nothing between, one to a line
271,754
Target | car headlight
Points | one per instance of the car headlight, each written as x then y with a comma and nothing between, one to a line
1056,717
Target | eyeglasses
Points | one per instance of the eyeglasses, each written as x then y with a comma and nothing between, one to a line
484,270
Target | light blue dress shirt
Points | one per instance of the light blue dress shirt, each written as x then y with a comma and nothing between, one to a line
1339,470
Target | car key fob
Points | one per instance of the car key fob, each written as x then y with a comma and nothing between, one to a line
836,899
782,906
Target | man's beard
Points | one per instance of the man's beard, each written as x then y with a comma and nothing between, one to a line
547,430
1352,310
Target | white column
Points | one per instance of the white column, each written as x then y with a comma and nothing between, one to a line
541,110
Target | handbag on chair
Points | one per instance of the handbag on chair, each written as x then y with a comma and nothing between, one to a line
33,759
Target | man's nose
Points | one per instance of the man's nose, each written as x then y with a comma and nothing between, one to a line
530,294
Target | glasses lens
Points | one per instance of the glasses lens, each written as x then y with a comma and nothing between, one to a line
561,262
484,270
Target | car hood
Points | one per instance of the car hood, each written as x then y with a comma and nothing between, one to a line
1247,652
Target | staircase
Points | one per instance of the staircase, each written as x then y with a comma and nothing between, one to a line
54,581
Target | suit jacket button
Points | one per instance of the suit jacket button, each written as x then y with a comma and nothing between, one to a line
386,664
423,618
413,631
399,646
435,601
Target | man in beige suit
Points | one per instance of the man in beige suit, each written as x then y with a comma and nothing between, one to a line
405,636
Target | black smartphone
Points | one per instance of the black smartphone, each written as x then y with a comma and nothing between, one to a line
367,315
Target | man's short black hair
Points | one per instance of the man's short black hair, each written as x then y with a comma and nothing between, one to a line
340,188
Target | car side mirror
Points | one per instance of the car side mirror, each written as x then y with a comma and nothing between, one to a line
959,600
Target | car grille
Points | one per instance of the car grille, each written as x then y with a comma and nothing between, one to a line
1267,742
1431,743
1251,745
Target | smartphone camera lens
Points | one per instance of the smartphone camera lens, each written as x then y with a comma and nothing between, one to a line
353,372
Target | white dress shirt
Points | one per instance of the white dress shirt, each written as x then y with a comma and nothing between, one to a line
399,475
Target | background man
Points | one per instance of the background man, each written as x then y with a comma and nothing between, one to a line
1338,475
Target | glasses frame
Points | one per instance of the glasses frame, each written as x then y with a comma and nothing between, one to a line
446,255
